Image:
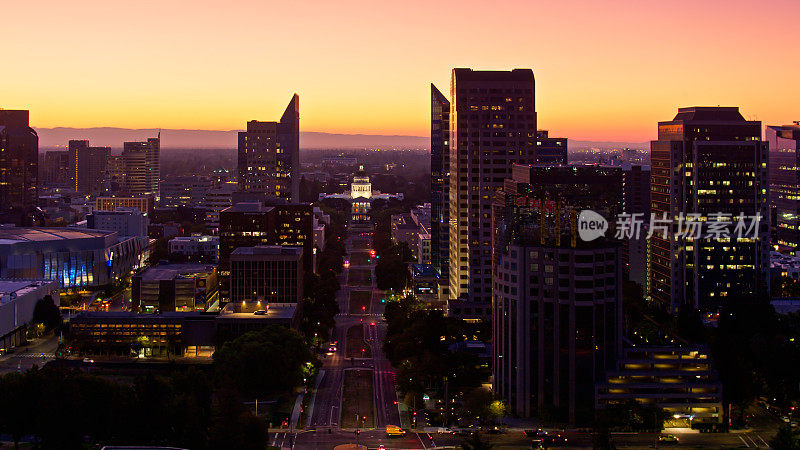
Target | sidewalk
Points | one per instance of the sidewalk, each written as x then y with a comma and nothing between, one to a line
298,404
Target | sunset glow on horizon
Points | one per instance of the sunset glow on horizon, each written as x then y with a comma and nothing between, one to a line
604,70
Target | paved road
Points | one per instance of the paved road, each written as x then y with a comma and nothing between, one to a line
38,352
327,400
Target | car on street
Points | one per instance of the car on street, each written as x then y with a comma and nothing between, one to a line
394,431
668,439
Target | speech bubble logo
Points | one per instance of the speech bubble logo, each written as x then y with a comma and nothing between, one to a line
591,225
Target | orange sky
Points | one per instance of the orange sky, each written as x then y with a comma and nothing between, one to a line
604,69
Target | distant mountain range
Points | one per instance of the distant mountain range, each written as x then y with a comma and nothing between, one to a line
210,139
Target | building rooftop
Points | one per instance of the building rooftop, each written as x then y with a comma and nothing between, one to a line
251,207
19,287
246,310
195,238
268,250
22,234
709,113
170,271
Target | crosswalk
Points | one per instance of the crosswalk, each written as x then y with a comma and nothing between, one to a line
35,355
753,440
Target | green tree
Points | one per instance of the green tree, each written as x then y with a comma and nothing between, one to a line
47,313
263,362
785,439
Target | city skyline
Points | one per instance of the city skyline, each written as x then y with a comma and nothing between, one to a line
176,68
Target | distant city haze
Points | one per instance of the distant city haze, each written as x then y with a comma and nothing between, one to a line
604,70
309,140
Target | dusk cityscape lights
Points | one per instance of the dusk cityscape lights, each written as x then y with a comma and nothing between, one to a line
509,225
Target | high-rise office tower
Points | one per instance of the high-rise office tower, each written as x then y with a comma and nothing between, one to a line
636,200
557,299
712,163
55,169
492,126
784,183
19,166
440,186
269,155
143,166
88,166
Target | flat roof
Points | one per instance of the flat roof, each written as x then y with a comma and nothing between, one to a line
170,271
24,234
20,287
235,310
268,250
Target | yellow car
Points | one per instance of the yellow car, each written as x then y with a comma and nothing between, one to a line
394,431
668,438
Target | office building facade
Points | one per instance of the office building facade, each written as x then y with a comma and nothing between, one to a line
440,186
784,183
88,166
636,201
550,150
19,168
143,167
253,224
557,300
185,191
143,204
492,126
55,170
711,163
267,274
269,155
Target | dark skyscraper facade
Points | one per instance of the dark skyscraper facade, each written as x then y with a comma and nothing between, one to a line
492,126
19,166
557,299
88,166
440,185
143,166
708,161
784,181
636,200
269,155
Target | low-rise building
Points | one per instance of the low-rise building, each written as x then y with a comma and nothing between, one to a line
681,380
144,204
201,248
175,287
126,221
18,299
268,274
169,334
